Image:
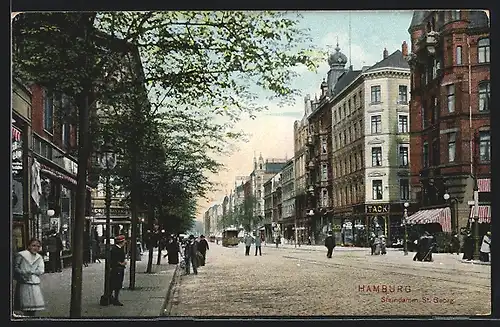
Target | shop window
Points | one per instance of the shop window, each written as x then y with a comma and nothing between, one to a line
484,96
451,146
377,189
483,50
376,94
376,124
403,124
459,55
403,94
403,156
451,97
376,156
484,146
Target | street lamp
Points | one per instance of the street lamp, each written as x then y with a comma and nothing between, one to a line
107,161
405,224
454,201
476,220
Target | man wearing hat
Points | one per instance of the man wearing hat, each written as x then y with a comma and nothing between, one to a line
485,248
117,264
190,255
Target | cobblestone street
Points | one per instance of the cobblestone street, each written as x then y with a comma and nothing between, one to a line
288,281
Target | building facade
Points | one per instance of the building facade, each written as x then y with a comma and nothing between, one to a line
287,219
450,115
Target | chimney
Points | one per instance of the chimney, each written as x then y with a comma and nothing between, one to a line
386,54
404,49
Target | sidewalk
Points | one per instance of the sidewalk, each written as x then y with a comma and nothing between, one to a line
148,298
444,257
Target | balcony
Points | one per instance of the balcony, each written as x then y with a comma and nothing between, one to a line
311,164
309,140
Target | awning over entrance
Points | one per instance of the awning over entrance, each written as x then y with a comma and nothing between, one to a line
484,185
440,216
484,213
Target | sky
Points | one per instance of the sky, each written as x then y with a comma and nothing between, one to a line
271,133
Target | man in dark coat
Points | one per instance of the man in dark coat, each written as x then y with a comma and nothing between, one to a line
54,247
117,264
468,247
173,250
190,251
330,244
455,244
203,247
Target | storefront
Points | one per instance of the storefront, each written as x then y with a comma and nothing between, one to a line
19,226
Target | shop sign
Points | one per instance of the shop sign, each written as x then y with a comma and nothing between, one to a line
112,211
377,208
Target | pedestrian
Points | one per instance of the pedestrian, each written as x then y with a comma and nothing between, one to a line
28,267
117,273
309,241
258,245
248,244
54,247
383,242
373,243
190,251
330,244
486,248
468,247
173,250
203,248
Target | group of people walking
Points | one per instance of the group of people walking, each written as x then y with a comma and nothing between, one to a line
249,240
193,252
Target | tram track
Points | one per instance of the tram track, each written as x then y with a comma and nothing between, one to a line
394,271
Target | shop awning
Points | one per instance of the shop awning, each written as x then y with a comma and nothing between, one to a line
484,185
440,216
484,213
16,134
56,174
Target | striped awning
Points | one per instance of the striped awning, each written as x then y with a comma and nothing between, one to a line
440,216
16,134
484,185
484,213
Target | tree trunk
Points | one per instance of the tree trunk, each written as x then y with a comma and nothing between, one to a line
150,241
135,222
81,194
158,260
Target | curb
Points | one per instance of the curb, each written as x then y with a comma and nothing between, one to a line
166,305
472,262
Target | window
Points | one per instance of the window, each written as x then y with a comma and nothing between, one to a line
325,197
403,124
324,172
423,113
403,156
455,15
349,108
376,156
483,50
345,110
355,131
451,146
65,135
484,146
484,96
451,97
459,55
351,138
355,101
376,124
376,94
425,155
48,112
345,137
404,189
324,149
403,94
377,189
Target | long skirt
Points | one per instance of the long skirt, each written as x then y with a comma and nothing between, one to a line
173,257
29,297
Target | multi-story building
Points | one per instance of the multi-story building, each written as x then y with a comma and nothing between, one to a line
263,170
206,224
301,138
370,150
450,116
319,151
273,206
287,219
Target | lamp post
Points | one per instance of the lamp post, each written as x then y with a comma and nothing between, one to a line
107,161
405,224
454,201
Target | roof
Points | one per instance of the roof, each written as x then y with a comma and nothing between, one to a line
418,18
344,80
395,60
478,18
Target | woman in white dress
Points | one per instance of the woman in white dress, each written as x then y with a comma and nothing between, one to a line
28,267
